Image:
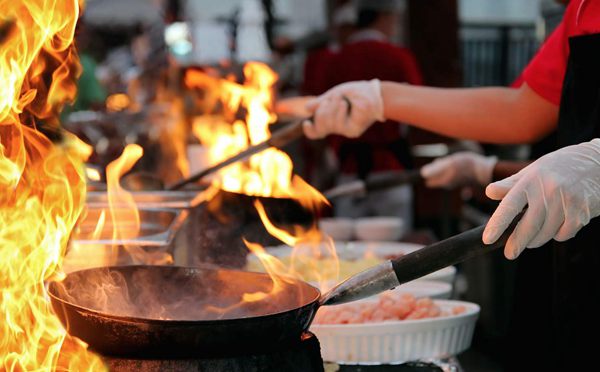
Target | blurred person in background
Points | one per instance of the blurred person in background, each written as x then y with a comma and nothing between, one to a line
320,162
369,53
91,95
318,59
561,190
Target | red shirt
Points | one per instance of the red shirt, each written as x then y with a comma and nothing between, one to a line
366,60
545,73
315,71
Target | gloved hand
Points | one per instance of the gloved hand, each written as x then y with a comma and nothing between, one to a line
562,192
459,169
333,116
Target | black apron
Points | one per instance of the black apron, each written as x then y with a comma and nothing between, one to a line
556,317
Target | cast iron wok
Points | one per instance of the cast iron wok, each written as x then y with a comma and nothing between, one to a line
190,332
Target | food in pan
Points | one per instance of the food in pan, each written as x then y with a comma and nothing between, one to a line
388,307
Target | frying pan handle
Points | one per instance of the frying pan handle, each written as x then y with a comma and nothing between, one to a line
447,252
423,261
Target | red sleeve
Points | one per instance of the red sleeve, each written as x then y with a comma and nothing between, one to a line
545,72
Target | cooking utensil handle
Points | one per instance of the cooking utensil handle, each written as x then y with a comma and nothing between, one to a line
412,176
419,263
447,252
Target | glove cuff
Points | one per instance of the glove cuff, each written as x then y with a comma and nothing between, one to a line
378,99
484,170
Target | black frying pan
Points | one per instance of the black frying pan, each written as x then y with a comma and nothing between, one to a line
195,332
191,331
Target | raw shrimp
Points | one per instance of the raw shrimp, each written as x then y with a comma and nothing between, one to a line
389,306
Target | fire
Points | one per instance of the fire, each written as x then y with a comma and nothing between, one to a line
122,205
269,173
309,246
93,174
42,184
117,102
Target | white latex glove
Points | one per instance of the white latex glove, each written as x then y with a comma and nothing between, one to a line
459,169
562,192
331,114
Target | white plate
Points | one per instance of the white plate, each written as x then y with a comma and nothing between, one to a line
358,249
394,342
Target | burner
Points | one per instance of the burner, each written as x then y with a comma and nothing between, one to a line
305,356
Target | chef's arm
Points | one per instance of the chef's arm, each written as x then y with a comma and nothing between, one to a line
495,115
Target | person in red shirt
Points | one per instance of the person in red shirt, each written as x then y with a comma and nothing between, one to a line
368,54
561,190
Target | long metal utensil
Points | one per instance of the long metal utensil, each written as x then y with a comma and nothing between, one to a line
426,260
279,139
363,187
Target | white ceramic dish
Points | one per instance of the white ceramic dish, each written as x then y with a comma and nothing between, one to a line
337,228
394,342
358,250
426,288
379,228
418,288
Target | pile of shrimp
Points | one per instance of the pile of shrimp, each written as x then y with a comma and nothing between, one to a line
389,306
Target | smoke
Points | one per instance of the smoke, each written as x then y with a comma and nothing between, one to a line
172,293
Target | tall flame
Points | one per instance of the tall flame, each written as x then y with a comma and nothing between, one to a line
42,185
269,173
309,247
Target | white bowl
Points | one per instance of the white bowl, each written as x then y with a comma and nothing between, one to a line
337,228
417,288
379,228
394,342
426,288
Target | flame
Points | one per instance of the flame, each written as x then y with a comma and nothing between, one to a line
274,268
42,184
123,209
269,173
124,212
309,247
117,102
92,174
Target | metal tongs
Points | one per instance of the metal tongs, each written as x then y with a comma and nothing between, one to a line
279,139
376,183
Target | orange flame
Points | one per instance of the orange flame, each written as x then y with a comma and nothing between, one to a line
92,174
123,209
117,102
309,248
42,185
269,173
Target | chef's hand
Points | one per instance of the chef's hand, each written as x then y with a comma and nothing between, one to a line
347,109
459,169
562,192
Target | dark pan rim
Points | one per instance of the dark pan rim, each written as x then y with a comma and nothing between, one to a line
175,322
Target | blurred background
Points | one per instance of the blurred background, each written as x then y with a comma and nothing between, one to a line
135,55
